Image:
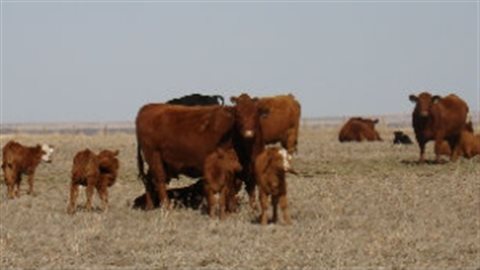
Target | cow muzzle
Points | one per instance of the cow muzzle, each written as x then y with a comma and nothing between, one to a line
424,113
249,134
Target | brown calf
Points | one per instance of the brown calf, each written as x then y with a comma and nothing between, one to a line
93,171
270,168
220,169
18,160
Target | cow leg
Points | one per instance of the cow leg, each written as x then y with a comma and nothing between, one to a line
211,202
284,206
18,180
291,144
30,183
103,194
454,146
73,198
222,202
10,188
275,208
89,192
159,178
421,144
263,198
250,184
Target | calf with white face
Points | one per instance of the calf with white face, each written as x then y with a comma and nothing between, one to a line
19,159
270,169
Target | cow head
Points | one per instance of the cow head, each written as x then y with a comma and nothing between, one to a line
229,160
247,114
47,152
424,102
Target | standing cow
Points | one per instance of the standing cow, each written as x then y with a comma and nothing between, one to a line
18,160
359,129
438,118
95,172
282,122
176,140
220,169
270,169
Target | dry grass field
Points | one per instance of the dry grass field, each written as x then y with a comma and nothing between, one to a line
354,206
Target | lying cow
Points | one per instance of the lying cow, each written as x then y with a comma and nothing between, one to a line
359,129
220,169
190,196
93,171
270,168
468,145
401,138
197,100
18,160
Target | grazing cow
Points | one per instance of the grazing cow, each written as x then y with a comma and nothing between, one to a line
438,118
176,140
401,138
18,160
282,122
197,100
220,169
190,196
93,171
270,169
359,129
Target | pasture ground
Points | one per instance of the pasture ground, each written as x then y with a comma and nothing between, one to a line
354,206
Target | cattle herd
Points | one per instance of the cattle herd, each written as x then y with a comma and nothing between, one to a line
227,147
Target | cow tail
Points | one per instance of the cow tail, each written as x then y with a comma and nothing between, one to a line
220,98
140,164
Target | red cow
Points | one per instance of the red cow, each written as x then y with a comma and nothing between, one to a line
18,160
282,122
93,171
175,139
359,129
270,168
438,118
220,169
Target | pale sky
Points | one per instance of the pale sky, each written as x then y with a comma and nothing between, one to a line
85,61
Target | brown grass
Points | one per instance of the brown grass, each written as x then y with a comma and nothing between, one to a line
354,205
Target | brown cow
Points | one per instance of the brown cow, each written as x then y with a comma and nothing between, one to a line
270,168
437,118
282,122
468,145
93,171
175,139
220,169
18,160
359,129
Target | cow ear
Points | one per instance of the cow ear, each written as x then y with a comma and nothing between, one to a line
436,99
255,99
375,121
413,98
115,153
233,100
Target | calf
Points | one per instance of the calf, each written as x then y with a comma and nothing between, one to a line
468,145
401,138
189,196
220,169
18,160
270,168
93,171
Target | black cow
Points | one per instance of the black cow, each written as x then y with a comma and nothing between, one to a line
401,138
198,100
